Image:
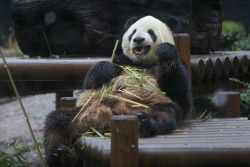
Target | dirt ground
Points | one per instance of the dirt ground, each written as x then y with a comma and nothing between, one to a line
13,126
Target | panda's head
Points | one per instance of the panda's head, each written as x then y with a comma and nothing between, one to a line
143,36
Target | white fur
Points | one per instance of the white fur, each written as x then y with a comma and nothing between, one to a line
142,26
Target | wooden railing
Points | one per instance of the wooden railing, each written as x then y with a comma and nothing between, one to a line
36,76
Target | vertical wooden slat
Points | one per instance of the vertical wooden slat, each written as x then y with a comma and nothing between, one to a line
226,66
218,66
235,64
209,68
62,94
243,60
198,69
124,141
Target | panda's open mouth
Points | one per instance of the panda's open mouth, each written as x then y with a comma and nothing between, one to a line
142,50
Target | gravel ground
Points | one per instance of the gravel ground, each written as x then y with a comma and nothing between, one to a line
13,126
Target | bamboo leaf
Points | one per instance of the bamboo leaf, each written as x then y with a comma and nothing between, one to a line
97,132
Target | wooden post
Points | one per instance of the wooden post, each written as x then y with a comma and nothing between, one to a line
67,102
124,141
227,104
62,94
182,42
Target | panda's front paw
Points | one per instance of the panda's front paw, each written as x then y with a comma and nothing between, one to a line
99,74
167,51
147,126
61,156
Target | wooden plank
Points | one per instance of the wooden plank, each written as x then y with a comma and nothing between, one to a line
223,142
194,158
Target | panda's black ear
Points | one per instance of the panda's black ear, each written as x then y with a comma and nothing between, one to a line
129,22
174,24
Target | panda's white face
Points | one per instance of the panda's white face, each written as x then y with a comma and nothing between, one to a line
142,39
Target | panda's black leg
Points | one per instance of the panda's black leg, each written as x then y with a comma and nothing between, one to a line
148,126
60,139
160,119
62,156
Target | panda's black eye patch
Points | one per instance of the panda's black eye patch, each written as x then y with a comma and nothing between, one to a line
152,34
131,35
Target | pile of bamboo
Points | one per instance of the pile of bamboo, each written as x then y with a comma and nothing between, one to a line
219,65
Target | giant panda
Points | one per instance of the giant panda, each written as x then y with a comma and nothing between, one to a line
149,49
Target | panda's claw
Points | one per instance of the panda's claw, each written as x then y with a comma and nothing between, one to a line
61,156
147,126
101,73
167,51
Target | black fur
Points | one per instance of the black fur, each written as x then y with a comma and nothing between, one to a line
152,34
131,35
161,120
139,40
174,76
100,74
174,24
60,139
129,22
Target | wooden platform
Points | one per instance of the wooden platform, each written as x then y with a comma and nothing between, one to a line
216,142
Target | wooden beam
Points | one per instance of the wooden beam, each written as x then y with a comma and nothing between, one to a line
48,69
124,141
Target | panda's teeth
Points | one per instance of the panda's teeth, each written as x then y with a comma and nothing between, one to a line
139,49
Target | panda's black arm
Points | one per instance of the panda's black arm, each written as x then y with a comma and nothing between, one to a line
174,76
104,71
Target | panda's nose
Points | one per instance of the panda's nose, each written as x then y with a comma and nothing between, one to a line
138,40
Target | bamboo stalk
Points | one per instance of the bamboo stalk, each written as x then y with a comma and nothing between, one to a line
161,36
83,106
113,54
47,42
23,109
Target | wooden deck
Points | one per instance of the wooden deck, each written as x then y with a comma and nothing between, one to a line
216,142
